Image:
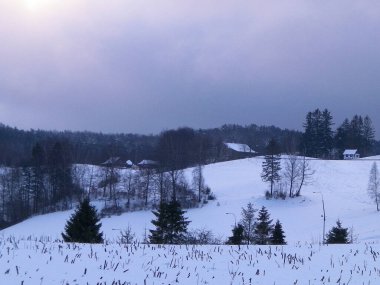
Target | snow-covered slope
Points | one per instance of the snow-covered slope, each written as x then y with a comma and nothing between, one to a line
235,183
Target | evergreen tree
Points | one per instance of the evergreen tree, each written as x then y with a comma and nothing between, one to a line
327,134
39,195
356,133
170,223
248,222
271,165
278,235
263,227
60,176
337,234
83,226
237,235
318,135
342,137
368,136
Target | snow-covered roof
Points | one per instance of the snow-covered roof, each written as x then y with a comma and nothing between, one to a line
350,151
239,147
148,162
112,160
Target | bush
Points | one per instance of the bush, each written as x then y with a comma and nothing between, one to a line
211,196
112,210
201,236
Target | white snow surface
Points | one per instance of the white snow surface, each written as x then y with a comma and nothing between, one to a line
40,262
28,254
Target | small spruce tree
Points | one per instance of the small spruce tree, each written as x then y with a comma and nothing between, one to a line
248,222
271,165
170,223
263,227
278,235
84,225
338,234
237,235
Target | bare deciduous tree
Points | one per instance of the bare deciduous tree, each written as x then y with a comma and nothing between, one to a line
198,181
297,173
374,185
292,172
129,186
306,173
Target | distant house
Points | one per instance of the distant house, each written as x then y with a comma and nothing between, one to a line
116,161
237,151
129,164
113,161
351,154
146,163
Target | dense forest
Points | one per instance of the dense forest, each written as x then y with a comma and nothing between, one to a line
40,173
94,148
317,140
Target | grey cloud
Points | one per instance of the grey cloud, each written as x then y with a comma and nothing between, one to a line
143,66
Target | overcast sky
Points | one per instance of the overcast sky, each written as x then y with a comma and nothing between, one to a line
144,66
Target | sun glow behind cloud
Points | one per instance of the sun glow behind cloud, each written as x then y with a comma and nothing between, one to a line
38,6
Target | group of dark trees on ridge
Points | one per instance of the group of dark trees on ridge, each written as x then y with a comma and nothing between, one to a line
171,228
257,230
37,173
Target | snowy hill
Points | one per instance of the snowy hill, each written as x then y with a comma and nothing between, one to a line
235,183
29,253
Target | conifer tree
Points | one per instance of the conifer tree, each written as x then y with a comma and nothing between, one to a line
248,222
84,225
338,234
237,235
271,165
38,191
368,136
60,176
278,235
263,227
170,223
318,135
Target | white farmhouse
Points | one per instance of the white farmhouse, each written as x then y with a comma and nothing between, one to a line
351,154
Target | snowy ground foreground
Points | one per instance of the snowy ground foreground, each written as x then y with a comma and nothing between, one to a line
33,262
235,183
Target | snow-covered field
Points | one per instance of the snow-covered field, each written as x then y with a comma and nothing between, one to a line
343,185
34,262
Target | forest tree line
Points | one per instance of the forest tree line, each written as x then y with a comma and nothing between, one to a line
37,174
